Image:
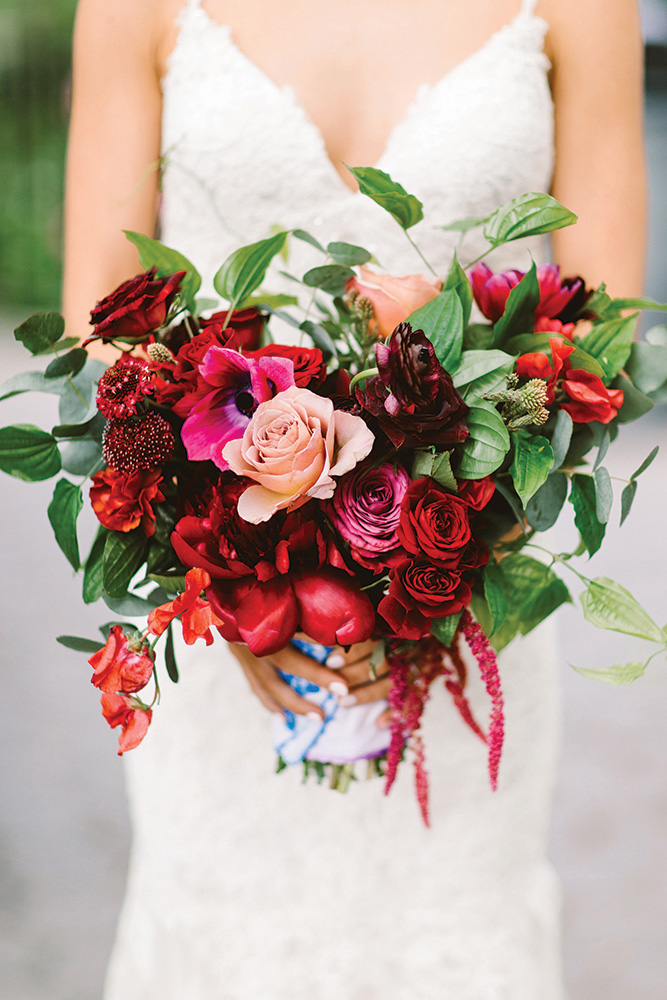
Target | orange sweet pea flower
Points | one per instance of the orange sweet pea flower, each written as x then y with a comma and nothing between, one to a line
196,614
119,710
123,664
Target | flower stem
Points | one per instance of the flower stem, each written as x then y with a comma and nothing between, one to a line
410,240
368,373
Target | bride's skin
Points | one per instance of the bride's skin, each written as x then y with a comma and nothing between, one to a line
355,66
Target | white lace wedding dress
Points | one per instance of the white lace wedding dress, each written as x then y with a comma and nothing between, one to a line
245,885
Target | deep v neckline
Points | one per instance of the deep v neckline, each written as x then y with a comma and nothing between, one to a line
288,92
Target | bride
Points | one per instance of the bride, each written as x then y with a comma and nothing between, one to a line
209,122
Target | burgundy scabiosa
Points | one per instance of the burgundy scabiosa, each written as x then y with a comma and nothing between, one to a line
237,386
123,386
144,442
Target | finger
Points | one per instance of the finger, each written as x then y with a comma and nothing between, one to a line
270,688
340,657
363,673
259,691
383,721
291,661
376,691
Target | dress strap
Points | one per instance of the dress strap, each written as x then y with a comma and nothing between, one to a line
528,7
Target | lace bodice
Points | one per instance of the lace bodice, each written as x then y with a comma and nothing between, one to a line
248,886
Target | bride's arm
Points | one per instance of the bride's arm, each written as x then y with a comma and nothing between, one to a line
113,152
597,83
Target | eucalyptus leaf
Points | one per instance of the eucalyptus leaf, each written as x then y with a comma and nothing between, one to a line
331,278
627,499
388,194
647,366
441,320
532,463
487,445
635,402
67,364
77,401
28,453
607,605
245,269
561,437
530,214
153,253
348,254
545,505
79,644
320,338
131,605
657,335
584,500
620,673
31,382
301,234
646,463
603,448
63,513
82,457
40,332
604,494
271,302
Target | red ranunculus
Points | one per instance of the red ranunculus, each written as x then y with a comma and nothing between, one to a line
196,615
366,508
124,664
434,522
591,400
309,367
136,309
120,710
122,501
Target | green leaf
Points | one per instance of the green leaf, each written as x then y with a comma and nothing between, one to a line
152,253
457,280
61,345
645,464
444,629
657,336
535,590
608,605
170,657
610,343
348,254
476,365
533,460
487,445
82,457
647,366
380,188
478,337
435,465
627,499
528,215
620,305
331,278
77,401
79,644
581,359
172,584
621,673
464,225
635,402
519,315
63,512
28,453
245,269
301,234
495,593
604,494
94,569
130,604
269,301
67,364
123,556
545,505
507,491
31,382
603,448
583,499
40,332
320,338
441,320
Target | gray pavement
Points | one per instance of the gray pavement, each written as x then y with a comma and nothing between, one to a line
64,833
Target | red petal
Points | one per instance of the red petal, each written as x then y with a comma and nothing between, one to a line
332,608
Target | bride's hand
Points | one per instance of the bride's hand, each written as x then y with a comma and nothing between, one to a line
347,674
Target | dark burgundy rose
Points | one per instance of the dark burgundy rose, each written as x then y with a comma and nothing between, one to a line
309,367
136,309
242,330
365,510
434,522
420,591
413,398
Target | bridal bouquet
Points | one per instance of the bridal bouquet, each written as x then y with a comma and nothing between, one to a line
383,478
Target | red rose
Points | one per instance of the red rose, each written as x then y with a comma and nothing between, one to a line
591,400
419,592
136,309
242,330
434,522
122,665
476,492
119,710
309,367
122,501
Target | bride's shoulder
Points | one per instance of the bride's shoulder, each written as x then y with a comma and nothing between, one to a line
141,29
586,33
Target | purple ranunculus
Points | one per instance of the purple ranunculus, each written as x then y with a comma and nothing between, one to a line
366,510
491,290
238,386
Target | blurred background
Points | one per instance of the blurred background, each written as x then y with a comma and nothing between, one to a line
64,834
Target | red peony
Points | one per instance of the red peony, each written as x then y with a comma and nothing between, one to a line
136,309
122,501
119,710
196,614
123,665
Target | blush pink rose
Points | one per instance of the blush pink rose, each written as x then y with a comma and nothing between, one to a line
292,448
393,299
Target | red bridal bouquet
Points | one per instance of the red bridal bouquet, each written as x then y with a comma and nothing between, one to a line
386,481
